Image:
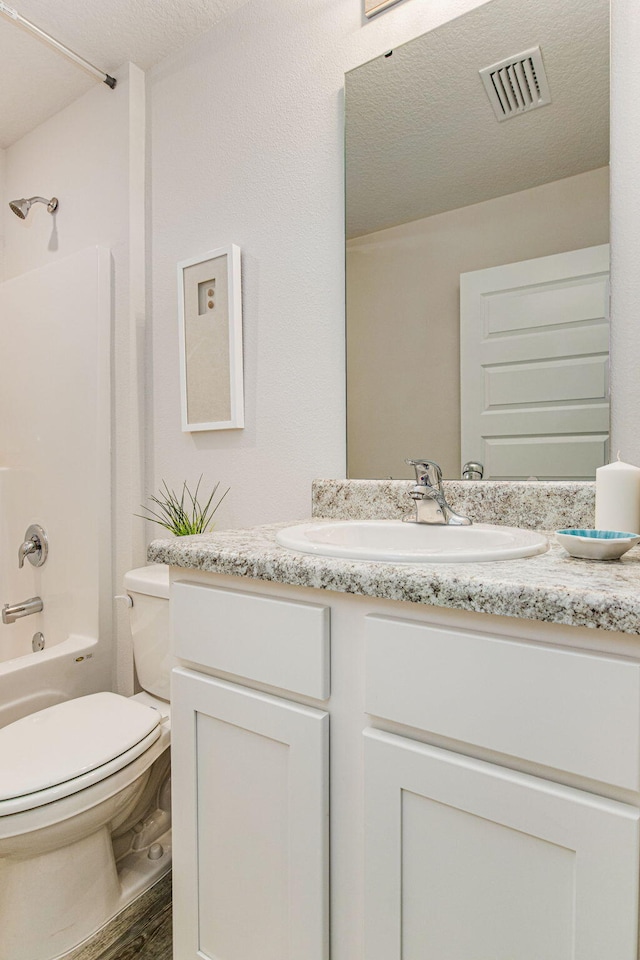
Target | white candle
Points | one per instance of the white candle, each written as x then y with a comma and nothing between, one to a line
618,497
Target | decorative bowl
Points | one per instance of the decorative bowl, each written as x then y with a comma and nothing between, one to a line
597,544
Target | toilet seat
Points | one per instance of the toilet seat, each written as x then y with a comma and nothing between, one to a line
65,748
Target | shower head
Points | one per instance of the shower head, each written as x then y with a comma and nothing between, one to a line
21,207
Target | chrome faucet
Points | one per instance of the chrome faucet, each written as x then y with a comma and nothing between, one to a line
35,546
24,550
428,495
473,470
15,611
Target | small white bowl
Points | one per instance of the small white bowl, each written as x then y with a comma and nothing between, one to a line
597,544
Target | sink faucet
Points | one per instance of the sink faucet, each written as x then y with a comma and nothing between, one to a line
428,495
14,611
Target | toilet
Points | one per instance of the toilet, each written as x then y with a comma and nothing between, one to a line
85,797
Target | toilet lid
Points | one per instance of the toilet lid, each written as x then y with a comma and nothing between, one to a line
69,739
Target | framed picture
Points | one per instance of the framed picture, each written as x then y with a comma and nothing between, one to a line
210,315
371,7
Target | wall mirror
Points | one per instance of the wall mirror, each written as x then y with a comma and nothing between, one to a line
477,246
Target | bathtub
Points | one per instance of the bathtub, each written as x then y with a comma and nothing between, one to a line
38,680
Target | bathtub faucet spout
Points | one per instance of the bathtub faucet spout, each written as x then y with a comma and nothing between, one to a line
14,611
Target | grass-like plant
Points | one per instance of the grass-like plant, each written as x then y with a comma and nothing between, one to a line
183,514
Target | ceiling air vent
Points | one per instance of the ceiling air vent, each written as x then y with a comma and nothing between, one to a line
517,84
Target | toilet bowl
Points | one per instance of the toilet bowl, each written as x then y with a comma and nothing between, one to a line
84,798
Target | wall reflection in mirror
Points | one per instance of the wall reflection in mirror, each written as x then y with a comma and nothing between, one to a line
477,246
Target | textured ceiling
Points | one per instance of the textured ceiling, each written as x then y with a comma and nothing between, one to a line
36,81
422,137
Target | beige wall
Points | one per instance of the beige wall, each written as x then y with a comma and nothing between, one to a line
403,397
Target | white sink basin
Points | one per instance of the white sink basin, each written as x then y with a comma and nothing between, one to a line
398,542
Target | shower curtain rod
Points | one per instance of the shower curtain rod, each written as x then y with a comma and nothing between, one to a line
14,15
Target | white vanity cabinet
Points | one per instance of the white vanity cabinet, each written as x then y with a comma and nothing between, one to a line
466,859
250,782
485,780
469,858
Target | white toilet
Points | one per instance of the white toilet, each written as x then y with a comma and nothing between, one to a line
84,797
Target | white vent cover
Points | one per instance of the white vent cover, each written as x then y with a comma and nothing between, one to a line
517,84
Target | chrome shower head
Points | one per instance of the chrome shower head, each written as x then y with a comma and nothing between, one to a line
21,207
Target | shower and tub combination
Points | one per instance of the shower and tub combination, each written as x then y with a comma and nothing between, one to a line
55,474
84,786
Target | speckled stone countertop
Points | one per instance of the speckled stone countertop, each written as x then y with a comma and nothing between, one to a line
532,504
551,587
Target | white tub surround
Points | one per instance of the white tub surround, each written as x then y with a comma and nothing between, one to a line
55,472
56,447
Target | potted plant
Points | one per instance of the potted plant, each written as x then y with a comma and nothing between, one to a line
183,514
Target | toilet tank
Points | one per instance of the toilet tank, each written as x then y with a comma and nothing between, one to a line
148,588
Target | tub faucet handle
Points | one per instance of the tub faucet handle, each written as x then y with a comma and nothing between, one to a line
35,546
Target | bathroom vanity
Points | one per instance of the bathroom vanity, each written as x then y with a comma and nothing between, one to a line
481,794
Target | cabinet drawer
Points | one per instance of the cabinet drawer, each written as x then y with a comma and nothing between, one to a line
567,709
278,642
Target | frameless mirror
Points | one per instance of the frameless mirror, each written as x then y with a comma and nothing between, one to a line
477,210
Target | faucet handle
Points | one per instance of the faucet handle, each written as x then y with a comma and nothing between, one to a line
35,546
473,470
428,473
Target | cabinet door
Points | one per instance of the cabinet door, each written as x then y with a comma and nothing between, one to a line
466,860
250,824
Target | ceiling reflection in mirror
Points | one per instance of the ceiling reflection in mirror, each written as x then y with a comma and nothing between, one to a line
477,246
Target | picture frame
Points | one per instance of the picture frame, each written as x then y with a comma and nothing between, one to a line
210,339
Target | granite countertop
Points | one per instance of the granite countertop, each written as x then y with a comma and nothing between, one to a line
551,587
